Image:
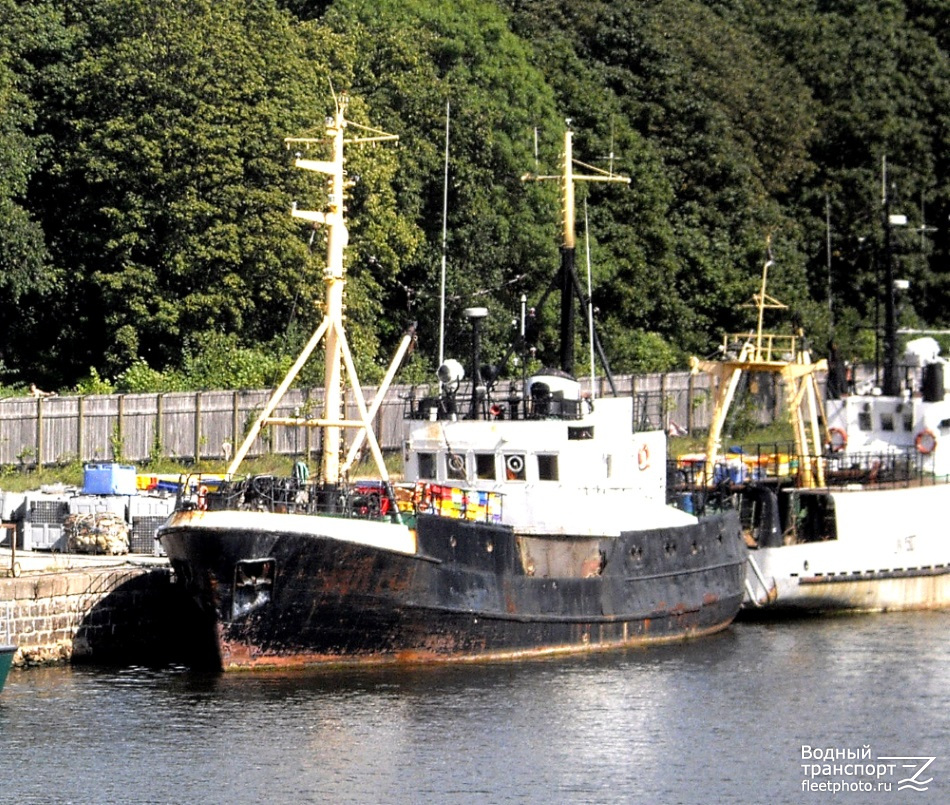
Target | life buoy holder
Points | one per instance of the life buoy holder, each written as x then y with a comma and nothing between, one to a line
837,440
925,442
643,457
202,497
456,462
515,464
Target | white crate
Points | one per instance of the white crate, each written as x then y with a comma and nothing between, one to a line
95,504
150,506
43,537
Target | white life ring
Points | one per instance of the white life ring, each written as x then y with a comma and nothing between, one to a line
926,442
515,464
837,440
643,457
456,462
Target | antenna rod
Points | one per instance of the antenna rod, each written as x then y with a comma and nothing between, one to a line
445,213
590,303
831,312
891,379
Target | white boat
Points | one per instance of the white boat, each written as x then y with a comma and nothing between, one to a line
851,518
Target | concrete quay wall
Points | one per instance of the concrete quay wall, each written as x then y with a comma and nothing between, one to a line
111,615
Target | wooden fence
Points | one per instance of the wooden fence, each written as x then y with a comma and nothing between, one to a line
212,424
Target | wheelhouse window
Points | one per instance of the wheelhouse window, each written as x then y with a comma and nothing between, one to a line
864,420
515,467
455,467
887,422
485,466
426,466
547,468
580,432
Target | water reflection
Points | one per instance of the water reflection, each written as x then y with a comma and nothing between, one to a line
721,720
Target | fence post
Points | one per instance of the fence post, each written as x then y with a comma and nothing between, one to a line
120,429
307,432
197,427
690,390
81,413
159,424
664,377
39,432
637,410
235,424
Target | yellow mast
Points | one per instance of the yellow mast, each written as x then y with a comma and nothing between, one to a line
337,356
782,355
567,178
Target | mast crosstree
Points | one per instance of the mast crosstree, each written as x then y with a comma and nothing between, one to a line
337,356
569,284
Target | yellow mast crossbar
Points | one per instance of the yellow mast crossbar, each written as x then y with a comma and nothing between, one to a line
337,357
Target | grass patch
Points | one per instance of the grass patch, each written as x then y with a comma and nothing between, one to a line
25,479
764,438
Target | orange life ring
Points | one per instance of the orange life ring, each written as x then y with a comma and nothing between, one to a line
837,440
643,457
926,442
202,497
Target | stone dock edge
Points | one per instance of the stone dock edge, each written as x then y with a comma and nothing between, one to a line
127,614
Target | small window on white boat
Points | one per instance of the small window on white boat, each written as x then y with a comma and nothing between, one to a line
887,421
426,466
485,466
908,422
547,468
455,466
514,466
582,432
864,420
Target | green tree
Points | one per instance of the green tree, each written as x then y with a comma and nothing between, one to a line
724,128
411,58
25,33
881,76
172,186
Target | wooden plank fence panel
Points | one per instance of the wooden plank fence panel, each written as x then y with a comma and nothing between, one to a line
169,424
138,426
178,425
101,417
18,431
60,429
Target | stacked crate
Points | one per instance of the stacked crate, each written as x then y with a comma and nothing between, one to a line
42,524
146,514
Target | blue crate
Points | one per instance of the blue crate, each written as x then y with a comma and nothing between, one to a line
109,479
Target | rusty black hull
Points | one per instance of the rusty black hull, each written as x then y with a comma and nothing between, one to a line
273,598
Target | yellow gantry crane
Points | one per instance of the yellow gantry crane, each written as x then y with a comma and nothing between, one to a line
782,355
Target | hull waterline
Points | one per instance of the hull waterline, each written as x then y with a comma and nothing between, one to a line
884,550
285,599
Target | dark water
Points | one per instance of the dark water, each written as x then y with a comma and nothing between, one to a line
719,720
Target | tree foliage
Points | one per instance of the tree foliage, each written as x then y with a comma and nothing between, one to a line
145,239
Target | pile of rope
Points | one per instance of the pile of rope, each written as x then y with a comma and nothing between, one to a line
97,532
